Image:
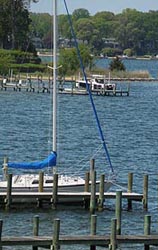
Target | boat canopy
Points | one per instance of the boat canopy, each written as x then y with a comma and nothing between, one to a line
50,161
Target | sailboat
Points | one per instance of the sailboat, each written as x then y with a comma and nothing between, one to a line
30,182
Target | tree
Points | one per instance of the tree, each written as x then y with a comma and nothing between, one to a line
85,29
14,24
105,23
69,60
80,13
41,24
116,64
5,62
64,28
130,31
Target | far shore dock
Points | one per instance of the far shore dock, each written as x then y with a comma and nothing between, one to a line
67,86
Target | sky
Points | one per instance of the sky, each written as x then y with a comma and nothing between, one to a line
94,6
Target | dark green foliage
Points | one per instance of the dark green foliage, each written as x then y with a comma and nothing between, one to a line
117,64
80,13
14,25
70,61
111,52
18,56
19,61
28,68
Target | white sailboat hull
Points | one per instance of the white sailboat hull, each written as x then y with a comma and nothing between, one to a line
30,183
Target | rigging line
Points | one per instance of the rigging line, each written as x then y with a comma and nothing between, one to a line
86,160
87,157
88,89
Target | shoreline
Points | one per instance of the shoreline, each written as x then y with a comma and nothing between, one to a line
74,79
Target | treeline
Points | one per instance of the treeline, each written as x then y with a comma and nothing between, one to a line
131,32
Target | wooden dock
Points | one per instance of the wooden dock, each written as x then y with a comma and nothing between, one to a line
28,87
112,240
115,92
73,91
40,86
99,92
63,197
95,240
91,200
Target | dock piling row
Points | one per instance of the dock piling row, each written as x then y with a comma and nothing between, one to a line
54,241
92,199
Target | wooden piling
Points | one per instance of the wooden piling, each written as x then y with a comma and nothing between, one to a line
92,166
118,210
86,187
35,229
5,167
101,193
130,182
93,228
40,188
130,189
55,241
145,193
147,229
93,188
41,179
9,190
113,242
55,191
72,89
1,226
128,89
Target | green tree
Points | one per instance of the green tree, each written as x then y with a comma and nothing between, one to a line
130,31
5,62
14,24
85,29
41,24
116,64
105,23
69,60
64,28
80,13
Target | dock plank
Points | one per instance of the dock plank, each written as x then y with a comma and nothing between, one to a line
48,195
80,239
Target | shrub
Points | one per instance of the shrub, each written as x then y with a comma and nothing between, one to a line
117,64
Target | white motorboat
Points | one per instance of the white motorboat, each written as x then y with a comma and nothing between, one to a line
99,82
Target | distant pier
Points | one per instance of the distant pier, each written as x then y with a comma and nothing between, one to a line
39,85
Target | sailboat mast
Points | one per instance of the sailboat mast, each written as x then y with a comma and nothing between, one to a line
54,146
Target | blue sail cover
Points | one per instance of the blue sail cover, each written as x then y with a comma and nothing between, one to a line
50,161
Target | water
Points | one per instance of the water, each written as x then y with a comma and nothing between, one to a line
131,65
130,128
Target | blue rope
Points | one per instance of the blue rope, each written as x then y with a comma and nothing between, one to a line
88,89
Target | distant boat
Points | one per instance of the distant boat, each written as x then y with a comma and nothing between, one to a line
9,82
99,82
96,82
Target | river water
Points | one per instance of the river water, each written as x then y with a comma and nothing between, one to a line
130,128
